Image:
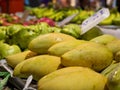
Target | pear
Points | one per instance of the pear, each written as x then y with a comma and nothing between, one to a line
39,66
15,59
91,54
104,39
42,43
65,46
73,78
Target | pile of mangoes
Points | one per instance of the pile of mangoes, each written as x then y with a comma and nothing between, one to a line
59,61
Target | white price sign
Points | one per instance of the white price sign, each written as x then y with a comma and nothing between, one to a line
94,20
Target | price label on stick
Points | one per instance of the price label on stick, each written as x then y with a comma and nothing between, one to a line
94,20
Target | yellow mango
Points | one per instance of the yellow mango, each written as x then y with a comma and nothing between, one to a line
63,47
15,59
91,54
42,43
73,78
39,66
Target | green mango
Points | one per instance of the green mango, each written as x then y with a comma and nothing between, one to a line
91,54
73,78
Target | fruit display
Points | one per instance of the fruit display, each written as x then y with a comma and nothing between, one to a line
59,14
58,61
59,58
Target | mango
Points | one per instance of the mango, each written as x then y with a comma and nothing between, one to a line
104,39
114,46
73,78
65,46
17,71
91,54
42,43
15,59
39,66
117,56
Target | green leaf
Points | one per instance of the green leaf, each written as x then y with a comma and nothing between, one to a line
4,81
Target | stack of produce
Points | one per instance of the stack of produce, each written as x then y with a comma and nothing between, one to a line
58,15
59,61
21,35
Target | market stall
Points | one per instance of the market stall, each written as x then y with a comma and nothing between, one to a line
47,48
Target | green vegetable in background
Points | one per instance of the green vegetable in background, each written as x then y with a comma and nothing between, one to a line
72,29
3,35
6,49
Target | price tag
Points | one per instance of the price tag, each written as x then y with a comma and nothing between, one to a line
94,20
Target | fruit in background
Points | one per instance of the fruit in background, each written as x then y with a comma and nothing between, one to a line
116,21
91,54
47,20
104,39
15,59
114,46
92,33
72,29
23,37
13,29
108,21
42,43
73,78
60,48
41,65
3,35
6,49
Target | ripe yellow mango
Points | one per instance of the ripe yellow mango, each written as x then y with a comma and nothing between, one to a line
42,43
39,66
17,70
65,46
91,54
73,78
114,46
104,39
15,59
